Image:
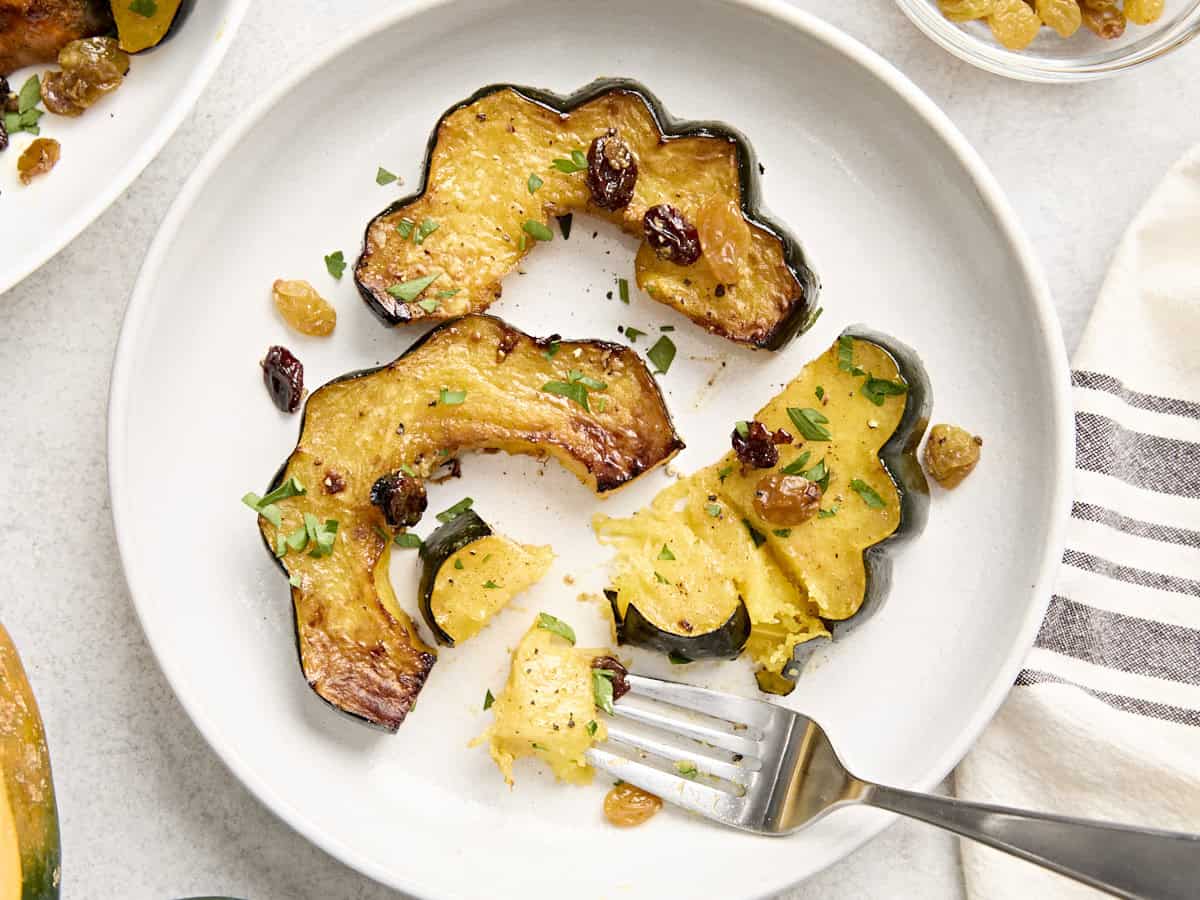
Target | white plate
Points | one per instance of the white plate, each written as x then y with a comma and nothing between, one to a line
910,235
107,147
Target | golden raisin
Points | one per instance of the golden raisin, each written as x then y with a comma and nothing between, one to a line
1144,12
786,499
966,10
1064,16
39,158
1014,24
626,805
91,68
951,454
1104,19
724,237
303,308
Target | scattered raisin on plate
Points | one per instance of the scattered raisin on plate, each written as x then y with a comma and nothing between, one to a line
626,806
39,158
284,377
951,454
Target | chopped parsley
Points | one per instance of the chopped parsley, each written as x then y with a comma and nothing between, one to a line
846,356
430,306
677,659
742,427
534,182
536,746
577,163
488,699
453,512
810,423
447,294
602,689
755,535
662,354
623,289
820,392
552,624
878,389
27,114
665,553
599,404
408,470
666,327
405,227
382,534
144,8
724,472
782,532
407,540
864,490
819,474
796,466
827,513
575,376
298,539
383,176
265,506
522,243
335,262
491,586
592,727
812,319
427,228
537,230
295,580
633,333
321,536
687,769
411,290
660,579
571,390
551,350
451,398
713,510
458,564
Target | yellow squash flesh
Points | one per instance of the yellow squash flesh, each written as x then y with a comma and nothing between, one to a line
800,576
136,32
463,602
546,707
358,649
29,841
478,195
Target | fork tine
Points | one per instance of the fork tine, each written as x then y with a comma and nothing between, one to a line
738,710
692,795
717,732
673,748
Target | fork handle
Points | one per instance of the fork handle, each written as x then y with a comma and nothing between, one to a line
1137,863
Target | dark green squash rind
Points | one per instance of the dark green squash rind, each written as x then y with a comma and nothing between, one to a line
465,528
804,310
725,642
899,458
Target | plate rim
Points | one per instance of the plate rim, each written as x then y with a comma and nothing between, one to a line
210,60
1045,321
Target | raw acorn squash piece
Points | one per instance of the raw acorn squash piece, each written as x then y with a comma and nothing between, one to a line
469,573
492,186
864,406
29,843
137,31
473,383
547,708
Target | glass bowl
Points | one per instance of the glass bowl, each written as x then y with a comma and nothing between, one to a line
1050,58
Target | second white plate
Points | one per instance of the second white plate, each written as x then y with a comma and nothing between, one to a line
909,235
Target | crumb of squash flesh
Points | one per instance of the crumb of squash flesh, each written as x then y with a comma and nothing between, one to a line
951,454
547,708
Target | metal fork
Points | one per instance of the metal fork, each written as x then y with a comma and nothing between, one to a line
763,768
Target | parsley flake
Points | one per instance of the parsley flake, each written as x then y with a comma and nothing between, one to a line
573,390
810,423
782,532
453,512
407,540
755,535
602,689
665,553
491,586
577,163
144,8
554,625
336,263
827,513
592,726
405,227
534,182
488,699
451,398
551,350
537,230
677,659
430,306
633,333
864,490
662,354
623,289
879,389
447,294
295,580
458,564
383,176
575,376
687,769
820,392
411,290
796,466
713,510
742,427
724,472
660,579
427,228
846,356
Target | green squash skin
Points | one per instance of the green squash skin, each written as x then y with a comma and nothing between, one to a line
899,457
798,320
465,528
41,874
725,642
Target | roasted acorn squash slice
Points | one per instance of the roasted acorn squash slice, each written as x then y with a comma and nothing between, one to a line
29,842
473,383
469,573
140,29
701,554
492,185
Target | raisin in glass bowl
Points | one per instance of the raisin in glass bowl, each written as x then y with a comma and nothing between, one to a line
1082,57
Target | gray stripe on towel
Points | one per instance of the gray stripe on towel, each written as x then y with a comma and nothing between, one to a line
1116,641
1147,461
1098,381
1156,580
1176,714
1090,512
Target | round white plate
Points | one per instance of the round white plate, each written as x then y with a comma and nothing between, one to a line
909,234
109,145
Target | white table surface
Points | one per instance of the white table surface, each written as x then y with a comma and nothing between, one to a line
147,810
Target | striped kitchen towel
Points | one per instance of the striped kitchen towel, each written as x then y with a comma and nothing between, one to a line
1105,719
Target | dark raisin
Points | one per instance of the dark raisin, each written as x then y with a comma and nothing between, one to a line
612,171
670,235
756,448
284,378
401,498
3,135
620,685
